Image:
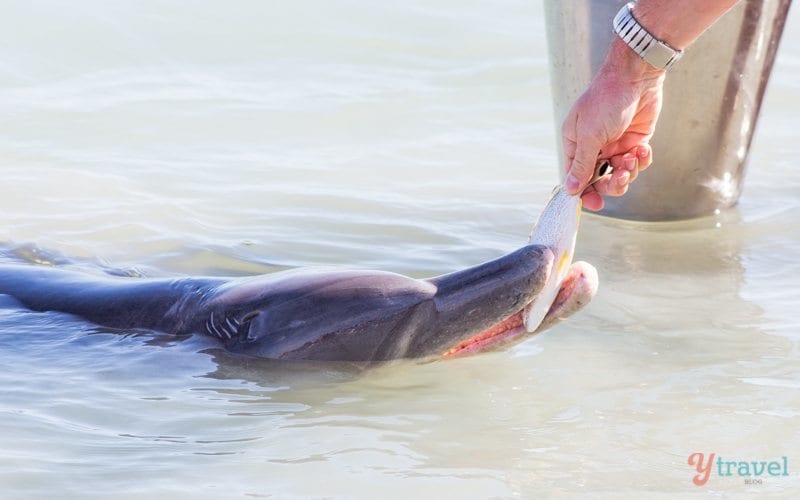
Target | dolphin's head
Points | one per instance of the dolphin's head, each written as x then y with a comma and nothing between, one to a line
321,314
369,315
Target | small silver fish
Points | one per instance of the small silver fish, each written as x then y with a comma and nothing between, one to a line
557,229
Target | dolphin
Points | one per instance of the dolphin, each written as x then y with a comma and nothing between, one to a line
340,315
311,314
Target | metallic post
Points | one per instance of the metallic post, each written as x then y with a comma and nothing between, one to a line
711,102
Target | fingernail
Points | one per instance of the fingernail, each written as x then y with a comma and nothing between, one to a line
623,179
628,162
642,152
572,184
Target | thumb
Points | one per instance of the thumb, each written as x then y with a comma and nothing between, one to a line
582,168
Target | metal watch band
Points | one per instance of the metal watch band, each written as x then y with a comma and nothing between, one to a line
652,50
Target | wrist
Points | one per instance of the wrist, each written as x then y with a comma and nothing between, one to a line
628,65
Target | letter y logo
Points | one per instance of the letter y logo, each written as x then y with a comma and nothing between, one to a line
703,470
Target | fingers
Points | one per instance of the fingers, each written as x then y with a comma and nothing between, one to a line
591,199
580,172
625,171
626,168
581,155
645,155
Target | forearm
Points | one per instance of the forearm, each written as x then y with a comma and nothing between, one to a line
679,22
676,22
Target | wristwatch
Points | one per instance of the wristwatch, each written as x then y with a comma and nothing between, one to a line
654,51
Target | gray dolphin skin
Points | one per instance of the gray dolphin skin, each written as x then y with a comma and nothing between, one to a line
302,314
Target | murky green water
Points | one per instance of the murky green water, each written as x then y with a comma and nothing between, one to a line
241,139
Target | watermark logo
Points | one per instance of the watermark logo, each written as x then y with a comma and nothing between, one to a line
752,471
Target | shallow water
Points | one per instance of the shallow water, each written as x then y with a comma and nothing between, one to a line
161,139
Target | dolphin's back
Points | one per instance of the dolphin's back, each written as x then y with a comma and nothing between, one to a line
117,302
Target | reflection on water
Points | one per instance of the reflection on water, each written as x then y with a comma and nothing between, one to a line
408,137
695,266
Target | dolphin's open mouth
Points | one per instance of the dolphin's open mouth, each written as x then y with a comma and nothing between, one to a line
500,334
577,289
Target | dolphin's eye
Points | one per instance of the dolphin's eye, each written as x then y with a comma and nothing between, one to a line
249,316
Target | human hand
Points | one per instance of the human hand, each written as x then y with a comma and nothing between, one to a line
614,119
